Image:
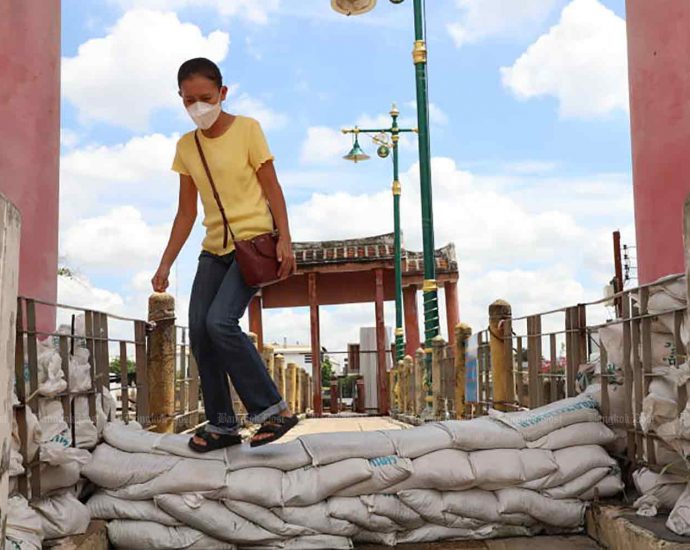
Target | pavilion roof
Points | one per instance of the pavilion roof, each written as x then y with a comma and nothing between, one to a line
370,249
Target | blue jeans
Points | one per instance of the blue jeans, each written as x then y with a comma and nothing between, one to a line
218,302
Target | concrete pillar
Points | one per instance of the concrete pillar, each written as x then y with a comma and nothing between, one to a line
315,344
291,385
161,367
452,309
10,234
279,379
30,140
419,385
381,352
412,339
658,53
438,345
269,359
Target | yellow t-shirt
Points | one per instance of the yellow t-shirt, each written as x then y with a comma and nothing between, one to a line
233,159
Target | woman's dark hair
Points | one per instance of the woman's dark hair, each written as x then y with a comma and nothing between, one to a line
202,67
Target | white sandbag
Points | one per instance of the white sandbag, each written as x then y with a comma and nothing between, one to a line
87,433
52,420
431,533
482,433
608,487
665,487
214,519
51,378
352,509
104,506
56,478
307,542
79,370
430,505
498,468
178,445
316,517
657,410
483,506
387,471
582,433
558,513
412,443
679,519
261,486
326,448
147,535
312,484
266,519
62,516
132,438
538,422
572,463
663,347
54,453
24,526
111,468
33,430
575,487
445,469
281,456
392,507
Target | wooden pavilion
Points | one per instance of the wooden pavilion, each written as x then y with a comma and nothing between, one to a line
357,271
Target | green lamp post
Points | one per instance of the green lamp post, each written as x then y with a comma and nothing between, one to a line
419,57
356,154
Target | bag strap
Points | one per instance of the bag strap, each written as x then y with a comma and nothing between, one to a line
226,224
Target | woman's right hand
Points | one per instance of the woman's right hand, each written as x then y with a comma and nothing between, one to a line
160,279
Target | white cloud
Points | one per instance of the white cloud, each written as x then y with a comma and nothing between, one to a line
482,19
247,105
78,291
125,76
119,239
256,11
582,61
324,145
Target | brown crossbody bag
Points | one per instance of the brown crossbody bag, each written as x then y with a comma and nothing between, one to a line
256,257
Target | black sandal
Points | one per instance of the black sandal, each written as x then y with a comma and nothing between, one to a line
213,443
275,425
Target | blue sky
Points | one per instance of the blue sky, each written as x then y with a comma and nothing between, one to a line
530,138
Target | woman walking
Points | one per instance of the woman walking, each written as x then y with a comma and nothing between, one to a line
228,163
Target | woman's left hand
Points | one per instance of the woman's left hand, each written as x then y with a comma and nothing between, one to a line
286,257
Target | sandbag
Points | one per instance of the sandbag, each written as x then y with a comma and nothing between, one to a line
608,487
482,433
392,507
582,433
352,509
261,486
147,535
132,438
498,468
536,423
575,487
316,517
483,506
24,525
61,476
374,537
326,448
52,421
445,469
112,468
572,462
312,484
664,487
387,471
421,440
178,445
104,506
62,516
431,533
679,519
51,378
431,506
266,519
281,456
558,513
214,519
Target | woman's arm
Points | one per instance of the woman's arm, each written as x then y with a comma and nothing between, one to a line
274,194
182,227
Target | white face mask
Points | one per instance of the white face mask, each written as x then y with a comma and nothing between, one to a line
204,114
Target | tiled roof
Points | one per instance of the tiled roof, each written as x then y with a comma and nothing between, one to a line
369,249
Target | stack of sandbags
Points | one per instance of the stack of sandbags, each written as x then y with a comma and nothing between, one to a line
510,474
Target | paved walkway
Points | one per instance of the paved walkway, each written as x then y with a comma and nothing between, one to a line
346,423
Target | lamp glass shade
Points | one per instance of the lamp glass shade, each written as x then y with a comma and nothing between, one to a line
356,154
353,7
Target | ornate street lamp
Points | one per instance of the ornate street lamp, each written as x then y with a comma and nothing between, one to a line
419,58
380,137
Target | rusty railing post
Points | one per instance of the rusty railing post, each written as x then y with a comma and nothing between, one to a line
437,346
161,364
419,382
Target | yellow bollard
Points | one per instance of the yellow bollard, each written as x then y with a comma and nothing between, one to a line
500,314
462,334
161,365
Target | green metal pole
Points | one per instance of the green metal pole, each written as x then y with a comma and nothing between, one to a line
399,340
431,321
